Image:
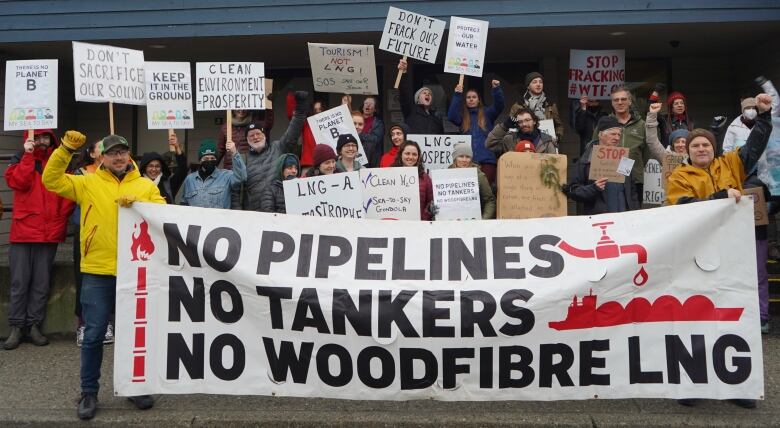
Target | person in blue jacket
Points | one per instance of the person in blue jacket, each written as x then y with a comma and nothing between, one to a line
476,120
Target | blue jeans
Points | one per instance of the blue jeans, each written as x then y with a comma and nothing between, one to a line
98,297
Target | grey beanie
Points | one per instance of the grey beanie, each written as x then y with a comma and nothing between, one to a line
419,91
460,149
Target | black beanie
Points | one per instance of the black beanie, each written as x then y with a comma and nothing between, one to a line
608,122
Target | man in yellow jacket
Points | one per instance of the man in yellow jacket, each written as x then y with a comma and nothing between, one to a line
116,182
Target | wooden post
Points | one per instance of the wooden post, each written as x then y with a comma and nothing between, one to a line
460,80
398,77
170,134
31,135
229,127
111,116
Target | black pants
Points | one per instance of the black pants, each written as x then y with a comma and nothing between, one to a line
31,265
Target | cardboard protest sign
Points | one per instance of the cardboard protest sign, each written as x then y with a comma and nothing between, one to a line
333,195
669,162
529,185
654,193
328,125
345,69
456,194
614,306
168,95
391,193
412,35
269,89
466,46
108,74
437,149
30,95
604,161
760,212
595,73
230,86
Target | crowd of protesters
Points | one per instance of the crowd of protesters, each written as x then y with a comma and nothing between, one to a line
56,180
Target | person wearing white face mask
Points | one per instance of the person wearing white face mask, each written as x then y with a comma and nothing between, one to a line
739,129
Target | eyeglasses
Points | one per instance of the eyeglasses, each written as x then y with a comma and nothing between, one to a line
116,153
619,100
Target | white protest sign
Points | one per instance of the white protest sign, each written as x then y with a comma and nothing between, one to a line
108,74
328,125
391,193
595,73
653,188
230,86
548,127
625,165
333,195
249,303
437,149
168,95
411,34
456,194
345,69
30,95
466,46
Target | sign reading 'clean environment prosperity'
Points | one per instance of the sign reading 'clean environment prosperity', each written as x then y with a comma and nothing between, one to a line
255,303
230,86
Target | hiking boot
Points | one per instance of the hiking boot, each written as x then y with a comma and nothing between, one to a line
80,336
87,406
688,402
142,402
109,338
37,338
14,337
744,403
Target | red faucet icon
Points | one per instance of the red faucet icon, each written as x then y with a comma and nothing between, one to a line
606,248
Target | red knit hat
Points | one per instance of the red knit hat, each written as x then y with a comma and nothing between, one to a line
323,152
675,96
525,146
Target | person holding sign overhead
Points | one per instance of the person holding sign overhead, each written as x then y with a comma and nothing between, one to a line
476,120
117,181
209,186
600,196
154,167
373,132
418,114
535,100
409,154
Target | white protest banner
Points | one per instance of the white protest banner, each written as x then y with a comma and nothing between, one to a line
548,127
237,302
437,149
595,73
412,35
230,86
466,46
328,125
345,69
108,74
168,95
333,195
30,95
391,193
653,187
456,194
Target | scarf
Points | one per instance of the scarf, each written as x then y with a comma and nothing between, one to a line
155,180
537,103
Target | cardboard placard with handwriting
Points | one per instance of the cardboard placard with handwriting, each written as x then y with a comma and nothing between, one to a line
760,212
669,162
604,161
530,185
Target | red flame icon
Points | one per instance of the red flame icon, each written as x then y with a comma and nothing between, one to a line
142,246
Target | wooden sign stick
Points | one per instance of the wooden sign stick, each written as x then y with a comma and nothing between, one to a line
111,116
229,127
460,80
398,77
31,134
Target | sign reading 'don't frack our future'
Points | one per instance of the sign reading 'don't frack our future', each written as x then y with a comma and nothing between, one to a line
30,95
230,86
344,69
332,195
466,46
330,124
108,74
411,34
642,304
595,73
168,95
437,149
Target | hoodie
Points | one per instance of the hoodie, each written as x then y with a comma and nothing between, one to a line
168,184
272,200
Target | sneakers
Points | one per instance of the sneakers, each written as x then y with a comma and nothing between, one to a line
14,337
87,406
80,336
765,327
744,403
142,402
109,334
37,338
688,402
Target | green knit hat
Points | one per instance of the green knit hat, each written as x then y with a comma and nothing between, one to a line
207,147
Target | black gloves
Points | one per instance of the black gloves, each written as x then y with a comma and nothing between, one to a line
718,122
510,123
300,101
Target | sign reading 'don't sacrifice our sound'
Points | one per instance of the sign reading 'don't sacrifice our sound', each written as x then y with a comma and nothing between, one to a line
108,74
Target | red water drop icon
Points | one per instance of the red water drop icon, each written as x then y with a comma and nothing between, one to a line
641,277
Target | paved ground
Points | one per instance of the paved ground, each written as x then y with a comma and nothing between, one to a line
39,387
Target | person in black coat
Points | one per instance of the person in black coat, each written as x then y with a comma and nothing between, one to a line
155,168
600,196
419,116
287,167
585,119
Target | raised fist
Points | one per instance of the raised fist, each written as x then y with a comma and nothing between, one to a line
495,83
300,96
655,108
74,140
763,102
